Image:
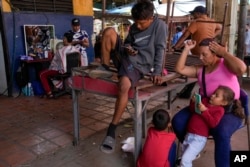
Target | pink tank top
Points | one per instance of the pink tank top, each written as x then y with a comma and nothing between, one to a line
220,76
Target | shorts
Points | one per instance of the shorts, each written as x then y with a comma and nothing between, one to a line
247,60
123,64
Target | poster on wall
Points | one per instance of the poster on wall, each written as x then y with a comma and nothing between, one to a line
37,40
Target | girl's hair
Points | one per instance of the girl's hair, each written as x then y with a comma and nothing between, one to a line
142,10
228,94
161,119
232,104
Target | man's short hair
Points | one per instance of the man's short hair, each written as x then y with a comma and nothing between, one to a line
199,9
161,119
68,36
142,10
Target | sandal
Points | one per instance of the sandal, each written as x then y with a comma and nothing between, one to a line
50,96
108,145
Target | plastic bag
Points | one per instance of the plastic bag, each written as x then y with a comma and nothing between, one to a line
128,145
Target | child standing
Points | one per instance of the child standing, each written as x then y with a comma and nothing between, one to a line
158,143
199,125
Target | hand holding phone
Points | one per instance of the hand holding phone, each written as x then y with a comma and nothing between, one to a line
197,102
131,51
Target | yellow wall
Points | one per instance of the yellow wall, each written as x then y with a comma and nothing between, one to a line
6,6
80,7
83,8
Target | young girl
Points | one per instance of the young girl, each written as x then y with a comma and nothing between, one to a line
158,143
199,125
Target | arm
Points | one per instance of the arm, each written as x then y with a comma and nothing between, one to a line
182,39
160,41
83,39
213,115
84,42
233,63
180,67
218,30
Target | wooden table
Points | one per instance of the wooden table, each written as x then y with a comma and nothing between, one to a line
139,96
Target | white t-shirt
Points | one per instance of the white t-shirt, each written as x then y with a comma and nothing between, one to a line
247,42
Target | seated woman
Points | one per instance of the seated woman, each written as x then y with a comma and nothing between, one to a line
219,68
58,64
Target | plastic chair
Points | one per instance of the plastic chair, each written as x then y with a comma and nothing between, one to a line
244,103
73,60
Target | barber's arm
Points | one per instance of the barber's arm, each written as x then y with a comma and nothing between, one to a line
84,42
233,63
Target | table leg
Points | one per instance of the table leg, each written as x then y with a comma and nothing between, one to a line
144,118
138,129
169,99
75,94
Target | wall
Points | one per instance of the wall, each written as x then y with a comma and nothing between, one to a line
13,24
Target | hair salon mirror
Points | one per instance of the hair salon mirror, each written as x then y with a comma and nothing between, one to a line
37,40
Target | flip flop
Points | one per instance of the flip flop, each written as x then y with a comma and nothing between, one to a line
108,145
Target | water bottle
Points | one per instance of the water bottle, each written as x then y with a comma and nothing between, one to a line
46,54
29,89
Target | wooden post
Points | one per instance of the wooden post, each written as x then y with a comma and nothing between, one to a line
241,31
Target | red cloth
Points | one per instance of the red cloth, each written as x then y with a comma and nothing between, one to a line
156,149
200,124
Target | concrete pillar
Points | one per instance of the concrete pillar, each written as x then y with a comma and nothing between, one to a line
231,25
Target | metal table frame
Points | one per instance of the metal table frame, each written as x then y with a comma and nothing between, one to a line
142,94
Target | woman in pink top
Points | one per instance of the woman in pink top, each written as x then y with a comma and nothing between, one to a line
221,68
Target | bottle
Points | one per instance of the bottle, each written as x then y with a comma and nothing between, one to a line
29,89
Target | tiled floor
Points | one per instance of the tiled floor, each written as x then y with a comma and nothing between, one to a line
31,127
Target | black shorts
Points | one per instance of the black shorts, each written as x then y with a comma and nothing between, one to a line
123,64
247,60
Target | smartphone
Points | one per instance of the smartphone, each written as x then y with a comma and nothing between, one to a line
131,49
197,101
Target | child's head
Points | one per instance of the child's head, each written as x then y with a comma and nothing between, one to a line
178,29
161,119
222,96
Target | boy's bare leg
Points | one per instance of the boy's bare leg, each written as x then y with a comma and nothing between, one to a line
109,38
122,99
